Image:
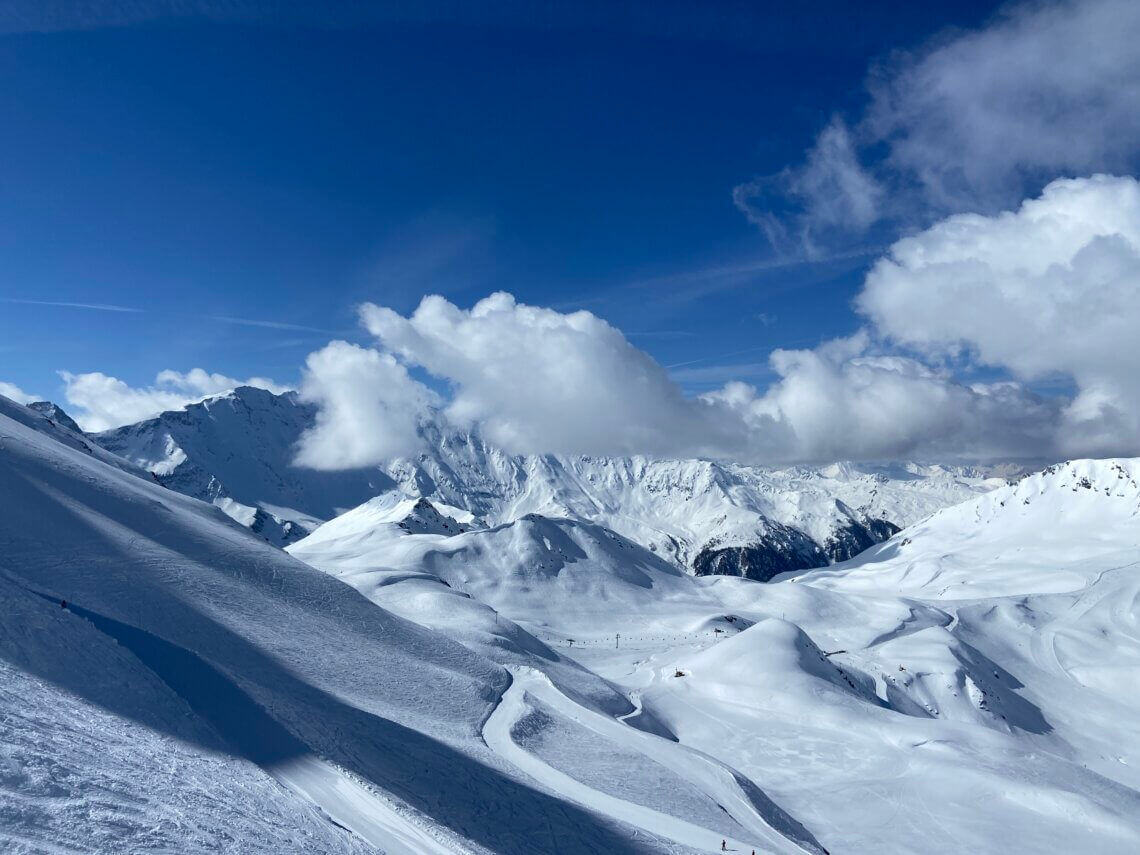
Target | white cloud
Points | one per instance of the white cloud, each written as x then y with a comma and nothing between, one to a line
533,380
1046,89
1049,291
369,408
1052,288
970,122
843,402
14,392
537,380
101,402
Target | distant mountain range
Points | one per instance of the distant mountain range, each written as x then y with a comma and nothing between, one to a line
708,517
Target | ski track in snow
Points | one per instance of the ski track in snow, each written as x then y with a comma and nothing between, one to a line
716,779
352,805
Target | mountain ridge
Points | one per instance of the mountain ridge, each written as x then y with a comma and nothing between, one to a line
707,516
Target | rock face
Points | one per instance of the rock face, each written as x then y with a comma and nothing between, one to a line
56,414
782,550
785,550
851,539
705,516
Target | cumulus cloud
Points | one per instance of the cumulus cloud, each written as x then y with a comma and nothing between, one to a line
1049,291
536,380
841,401
1052,288
369,408
972,121
100,402
15,393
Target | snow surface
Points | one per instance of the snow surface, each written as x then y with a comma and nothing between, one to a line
467,674
243,678
971,683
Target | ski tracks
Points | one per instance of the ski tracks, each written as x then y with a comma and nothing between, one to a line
714,778
355,807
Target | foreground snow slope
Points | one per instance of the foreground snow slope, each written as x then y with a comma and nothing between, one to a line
262,698
236,450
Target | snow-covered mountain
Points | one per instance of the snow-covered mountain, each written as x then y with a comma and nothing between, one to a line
236,450
975,676
972,678
55,413
549,684
169,681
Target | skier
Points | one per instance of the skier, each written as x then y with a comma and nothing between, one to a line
63,604
723,846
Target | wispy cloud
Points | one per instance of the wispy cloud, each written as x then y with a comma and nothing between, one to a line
684,286
662,334
101,307
701,359
724,276
271,325
718,375
972,121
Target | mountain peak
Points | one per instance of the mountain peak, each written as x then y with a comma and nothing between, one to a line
56,413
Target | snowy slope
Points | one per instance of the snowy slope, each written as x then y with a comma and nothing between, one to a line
514,593
968,685
236,450
203,691
973,680
1052,531
182,626
551,574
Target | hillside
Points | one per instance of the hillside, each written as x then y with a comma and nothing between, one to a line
171,681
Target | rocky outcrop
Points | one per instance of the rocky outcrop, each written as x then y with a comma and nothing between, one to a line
56,414
782,549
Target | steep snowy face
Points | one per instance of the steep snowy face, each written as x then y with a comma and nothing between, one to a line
707,516
56,414
236,450
1052,531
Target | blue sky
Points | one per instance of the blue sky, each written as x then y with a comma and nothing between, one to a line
283,170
